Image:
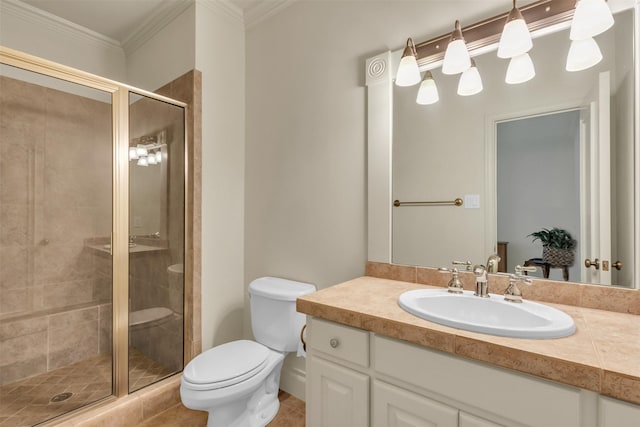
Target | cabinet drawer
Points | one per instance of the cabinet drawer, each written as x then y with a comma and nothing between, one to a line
526,400
344,342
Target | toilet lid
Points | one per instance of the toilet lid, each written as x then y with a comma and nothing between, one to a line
227,364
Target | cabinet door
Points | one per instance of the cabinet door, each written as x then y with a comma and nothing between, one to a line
396,407
336,396
615,413
467,420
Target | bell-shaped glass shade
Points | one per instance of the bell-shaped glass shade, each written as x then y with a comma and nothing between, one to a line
428,92
592,17
456,58
158,156
520,69
141,151
515,39
408,71
470,82
133,153
142,161
151,159
583,54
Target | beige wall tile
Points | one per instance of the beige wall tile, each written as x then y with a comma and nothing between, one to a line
161,397
23,347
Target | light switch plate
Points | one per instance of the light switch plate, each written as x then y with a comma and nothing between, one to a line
472,201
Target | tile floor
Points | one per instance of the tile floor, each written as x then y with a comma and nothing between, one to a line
291,414
29,401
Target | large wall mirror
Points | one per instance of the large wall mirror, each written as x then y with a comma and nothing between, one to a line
557,151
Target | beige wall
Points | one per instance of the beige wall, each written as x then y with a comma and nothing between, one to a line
306,146
220,56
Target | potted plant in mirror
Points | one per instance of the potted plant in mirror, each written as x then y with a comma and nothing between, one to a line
558,246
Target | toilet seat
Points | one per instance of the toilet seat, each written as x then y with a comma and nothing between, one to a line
225,365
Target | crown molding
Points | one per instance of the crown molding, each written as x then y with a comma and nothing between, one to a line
224,7
160,18
37,17
263,10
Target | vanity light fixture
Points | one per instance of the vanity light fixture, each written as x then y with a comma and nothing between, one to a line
428,92
513,31
408,71
583,54
591,17
520,69
515,38
142,161
456,57
470,81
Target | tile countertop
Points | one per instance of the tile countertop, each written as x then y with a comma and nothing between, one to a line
601,356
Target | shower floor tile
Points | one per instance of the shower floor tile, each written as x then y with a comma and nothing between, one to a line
29,401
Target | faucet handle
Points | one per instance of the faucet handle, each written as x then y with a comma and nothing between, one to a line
520,270
467,264
455,285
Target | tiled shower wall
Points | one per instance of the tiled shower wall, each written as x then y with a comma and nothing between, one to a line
55,192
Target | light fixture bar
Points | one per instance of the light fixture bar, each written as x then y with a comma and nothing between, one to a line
538,15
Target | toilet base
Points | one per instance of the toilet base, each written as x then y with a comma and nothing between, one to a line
252,407
257,410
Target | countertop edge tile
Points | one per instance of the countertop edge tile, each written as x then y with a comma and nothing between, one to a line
551,368
621,386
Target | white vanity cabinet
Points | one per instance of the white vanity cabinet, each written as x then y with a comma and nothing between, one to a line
357,378
337,375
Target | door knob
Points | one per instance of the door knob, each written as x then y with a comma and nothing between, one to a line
617,265
595,263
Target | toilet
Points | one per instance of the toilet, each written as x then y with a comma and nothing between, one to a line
237,382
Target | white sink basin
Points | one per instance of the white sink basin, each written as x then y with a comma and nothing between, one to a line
493,315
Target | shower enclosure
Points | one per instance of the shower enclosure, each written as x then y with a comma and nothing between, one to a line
92,241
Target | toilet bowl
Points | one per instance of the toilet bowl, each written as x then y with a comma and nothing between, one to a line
237,382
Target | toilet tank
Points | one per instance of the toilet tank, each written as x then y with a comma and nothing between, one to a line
274,319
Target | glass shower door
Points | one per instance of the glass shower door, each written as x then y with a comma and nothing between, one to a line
156,234
56,148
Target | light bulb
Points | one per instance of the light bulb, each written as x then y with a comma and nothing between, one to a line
470,81
133,153
592,17
515,38
520,69
142,151
583,54
151,159
456,57
428,92
158,156
142,161
408,72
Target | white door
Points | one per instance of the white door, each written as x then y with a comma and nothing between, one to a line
595,170
337,396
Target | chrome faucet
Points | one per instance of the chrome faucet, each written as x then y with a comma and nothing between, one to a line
512,293
482,284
